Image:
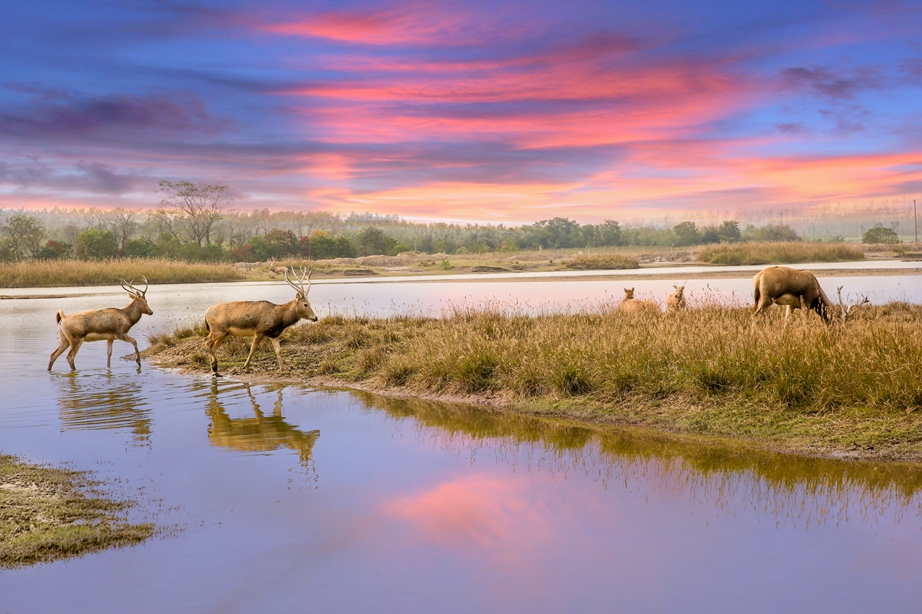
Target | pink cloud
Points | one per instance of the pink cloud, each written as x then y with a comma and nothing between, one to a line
482,510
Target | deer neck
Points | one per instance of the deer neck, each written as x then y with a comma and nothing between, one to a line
133,311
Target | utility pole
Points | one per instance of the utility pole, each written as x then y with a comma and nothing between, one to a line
915,219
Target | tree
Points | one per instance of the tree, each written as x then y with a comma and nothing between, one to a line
729,231
191,210
372,241
281,243
53,250
686,233
95,244
880,234
24,234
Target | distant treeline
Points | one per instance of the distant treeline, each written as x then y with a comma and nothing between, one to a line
195,224
260,236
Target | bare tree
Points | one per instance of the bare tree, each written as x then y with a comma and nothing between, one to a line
192,209
122,224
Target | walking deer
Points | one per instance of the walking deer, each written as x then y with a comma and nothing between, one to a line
102,324
257,318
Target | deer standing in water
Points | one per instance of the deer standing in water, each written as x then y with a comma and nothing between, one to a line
101,324
257,319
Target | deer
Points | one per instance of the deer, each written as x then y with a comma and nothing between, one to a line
278,270
676,300
792,288
257,319
101,324
632,305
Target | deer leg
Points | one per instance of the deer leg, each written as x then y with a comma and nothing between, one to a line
130,340
74,348
108,353
256,339
62,345
212,342
278,349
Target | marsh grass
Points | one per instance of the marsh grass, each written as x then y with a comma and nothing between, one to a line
710,370
48,514
602,262
779,253
52,273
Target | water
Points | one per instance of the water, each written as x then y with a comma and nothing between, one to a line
292,499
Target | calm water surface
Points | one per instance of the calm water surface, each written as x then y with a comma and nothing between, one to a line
292,499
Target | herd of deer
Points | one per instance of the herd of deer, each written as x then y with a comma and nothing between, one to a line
777,285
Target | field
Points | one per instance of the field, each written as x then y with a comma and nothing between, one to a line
843,389
59,273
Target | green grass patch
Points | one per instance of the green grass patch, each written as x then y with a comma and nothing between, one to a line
48,514
603,262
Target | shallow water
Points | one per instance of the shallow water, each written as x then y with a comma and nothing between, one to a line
293,499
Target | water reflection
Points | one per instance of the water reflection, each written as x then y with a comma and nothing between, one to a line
791,490
261,433
101,402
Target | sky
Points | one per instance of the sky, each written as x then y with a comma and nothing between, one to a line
499,111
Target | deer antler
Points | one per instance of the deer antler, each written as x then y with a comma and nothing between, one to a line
848,311
128,286
305,276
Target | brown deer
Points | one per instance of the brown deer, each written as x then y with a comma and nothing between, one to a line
257,318
278,270
676,300
102,324
632,305
792,288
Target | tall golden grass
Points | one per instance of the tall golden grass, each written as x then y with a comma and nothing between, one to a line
709,370
50,273
779,253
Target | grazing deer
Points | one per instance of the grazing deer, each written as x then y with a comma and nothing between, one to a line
676,300
795,289
257,318
632,305
101,324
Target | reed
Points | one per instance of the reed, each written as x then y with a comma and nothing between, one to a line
602,262
51,273
712,370
779,253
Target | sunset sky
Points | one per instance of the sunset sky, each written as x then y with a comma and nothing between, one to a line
507,111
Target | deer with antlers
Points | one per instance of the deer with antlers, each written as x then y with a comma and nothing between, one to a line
257,319
797,289
101,324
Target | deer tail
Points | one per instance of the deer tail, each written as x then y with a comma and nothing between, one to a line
59,316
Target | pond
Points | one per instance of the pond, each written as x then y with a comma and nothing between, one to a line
289,498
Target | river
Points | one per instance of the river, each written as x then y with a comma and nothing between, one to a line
294,499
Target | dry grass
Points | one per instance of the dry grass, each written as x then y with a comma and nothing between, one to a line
779,253
52,273
48,514
602,262
852,388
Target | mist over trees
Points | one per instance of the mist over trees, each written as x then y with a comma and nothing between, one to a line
195,222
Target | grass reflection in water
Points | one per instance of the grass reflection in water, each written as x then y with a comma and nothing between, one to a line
790,489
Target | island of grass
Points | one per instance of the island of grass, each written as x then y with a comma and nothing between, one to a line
48,514
850,389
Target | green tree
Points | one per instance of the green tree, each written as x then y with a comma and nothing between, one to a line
139,248
686,233
372,240
880,234
53,250
24,234
281,243
729,231
96,244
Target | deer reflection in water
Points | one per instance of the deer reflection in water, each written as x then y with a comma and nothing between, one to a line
261,433
106,402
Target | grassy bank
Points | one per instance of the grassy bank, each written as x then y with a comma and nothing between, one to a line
840,389
57,273
779,253
48,514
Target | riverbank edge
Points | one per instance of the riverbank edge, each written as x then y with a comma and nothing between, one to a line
580,412
52,513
